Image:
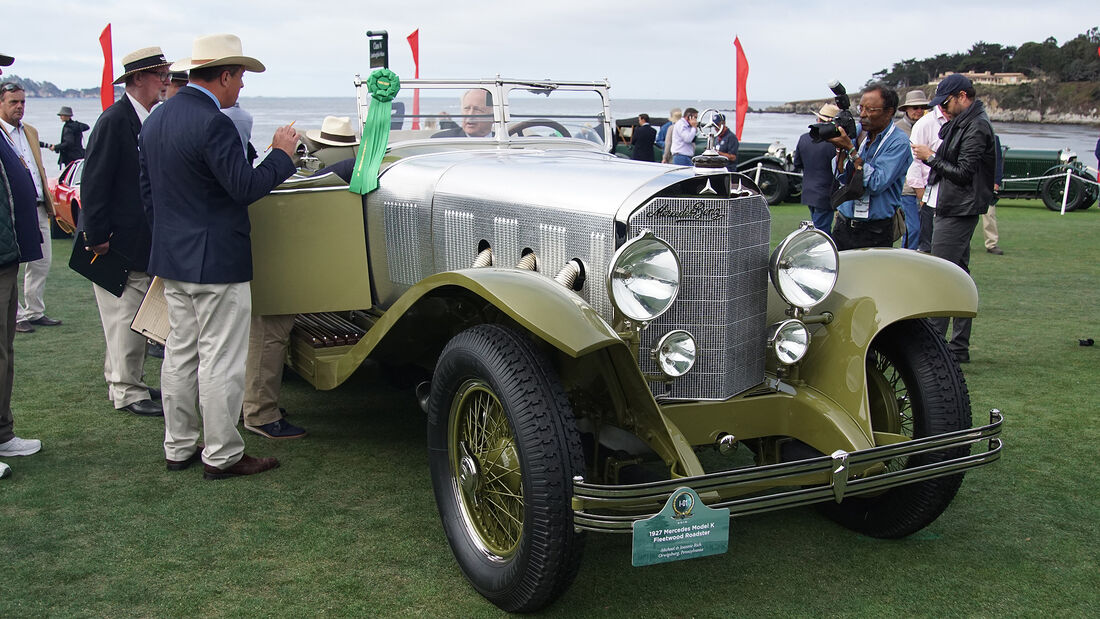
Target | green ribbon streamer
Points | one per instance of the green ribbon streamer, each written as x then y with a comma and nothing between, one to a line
383,86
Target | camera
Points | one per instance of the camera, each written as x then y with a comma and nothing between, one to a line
819,132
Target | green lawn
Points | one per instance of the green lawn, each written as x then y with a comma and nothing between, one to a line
95,526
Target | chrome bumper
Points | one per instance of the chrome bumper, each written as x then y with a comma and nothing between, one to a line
613,509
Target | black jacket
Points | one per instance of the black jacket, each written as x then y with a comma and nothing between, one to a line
964,164
71,146
643,138
110,190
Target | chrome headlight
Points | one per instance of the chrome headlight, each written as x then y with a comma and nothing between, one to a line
675,353
804,266
644,277
790,340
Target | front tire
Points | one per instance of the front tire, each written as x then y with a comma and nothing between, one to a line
917,389
773,184
503,450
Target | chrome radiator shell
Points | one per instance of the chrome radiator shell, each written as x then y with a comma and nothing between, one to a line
723,298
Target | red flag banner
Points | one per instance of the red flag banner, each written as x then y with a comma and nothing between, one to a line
414,43
106,88
742,81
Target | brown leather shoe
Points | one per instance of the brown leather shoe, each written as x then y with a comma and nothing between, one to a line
247,465
179,465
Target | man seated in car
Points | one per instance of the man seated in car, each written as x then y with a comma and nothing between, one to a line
477,116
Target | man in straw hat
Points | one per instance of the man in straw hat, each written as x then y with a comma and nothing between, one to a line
23,139
71,146
113,221
815,161
912,108
196,186
19,242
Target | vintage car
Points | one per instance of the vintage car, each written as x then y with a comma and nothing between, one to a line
65,191
770,160
597,334
1021,166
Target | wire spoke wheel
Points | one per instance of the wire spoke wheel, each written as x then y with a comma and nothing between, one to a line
486,470
915,388
891,407
503,448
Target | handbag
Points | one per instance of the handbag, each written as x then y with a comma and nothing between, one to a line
899,224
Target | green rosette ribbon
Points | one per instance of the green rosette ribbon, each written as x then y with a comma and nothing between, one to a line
383,86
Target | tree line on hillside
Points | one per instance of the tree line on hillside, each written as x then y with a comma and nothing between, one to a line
48,89
1075,60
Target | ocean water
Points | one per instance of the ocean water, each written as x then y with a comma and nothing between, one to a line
270,113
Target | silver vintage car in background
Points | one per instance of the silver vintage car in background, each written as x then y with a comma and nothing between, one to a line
595,332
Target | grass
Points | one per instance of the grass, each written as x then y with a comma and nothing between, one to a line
95,526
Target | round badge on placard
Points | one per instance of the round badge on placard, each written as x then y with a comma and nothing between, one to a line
683,504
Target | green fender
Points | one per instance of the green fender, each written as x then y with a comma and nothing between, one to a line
550,312
544,307
875,288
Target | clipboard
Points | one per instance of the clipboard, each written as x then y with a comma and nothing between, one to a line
151,319
108,271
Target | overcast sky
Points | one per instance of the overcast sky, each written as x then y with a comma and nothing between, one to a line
664,49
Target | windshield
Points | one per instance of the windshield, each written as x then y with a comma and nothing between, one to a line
497,110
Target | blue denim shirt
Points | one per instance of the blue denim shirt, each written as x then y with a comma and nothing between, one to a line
885,162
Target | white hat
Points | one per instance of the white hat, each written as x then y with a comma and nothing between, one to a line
827,112
140,60
216,50
335,131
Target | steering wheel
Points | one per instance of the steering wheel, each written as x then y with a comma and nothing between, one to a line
518,128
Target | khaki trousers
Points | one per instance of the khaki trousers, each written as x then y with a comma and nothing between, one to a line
267,345
203,369
33,306
124,363
989,227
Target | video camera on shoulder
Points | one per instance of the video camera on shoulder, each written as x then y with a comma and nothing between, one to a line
819,132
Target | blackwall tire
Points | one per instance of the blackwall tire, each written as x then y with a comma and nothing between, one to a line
1052,189
916,388
773,184
503,450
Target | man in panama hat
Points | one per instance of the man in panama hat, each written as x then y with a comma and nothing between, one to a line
815,161
912,108
113,221
196,186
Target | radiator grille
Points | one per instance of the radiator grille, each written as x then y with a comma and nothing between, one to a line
723,296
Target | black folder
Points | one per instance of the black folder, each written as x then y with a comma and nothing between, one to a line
108,271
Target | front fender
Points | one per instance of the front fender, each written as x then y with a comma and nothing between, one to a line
538,304
875,288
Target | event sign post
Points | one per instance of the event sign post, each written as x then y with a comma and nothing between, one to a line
379,49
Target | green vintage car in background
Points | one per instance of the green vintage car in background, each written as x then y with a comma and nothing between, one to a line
772,159
1022,165
595,334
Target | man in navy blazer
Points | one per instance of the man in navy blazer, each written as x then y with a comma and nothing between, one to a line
113,221
196,186
815,161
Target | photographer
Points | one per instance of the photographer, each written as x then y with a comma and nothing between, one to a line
878,164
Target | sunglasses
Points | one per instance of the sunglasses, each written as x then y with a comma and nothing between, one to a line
10,87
